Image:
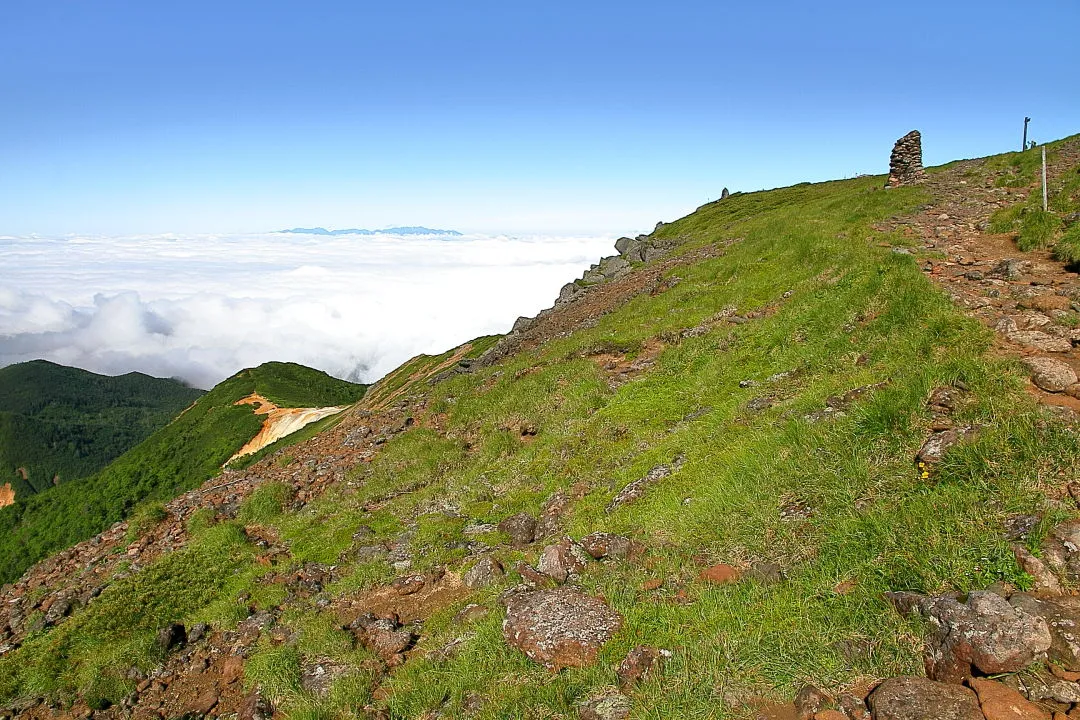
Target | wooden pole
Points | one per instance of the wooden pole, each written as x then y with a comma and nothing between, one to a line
1023,147
1044,179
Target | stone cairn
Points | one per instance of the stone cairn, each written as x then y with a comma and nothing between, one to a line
905,163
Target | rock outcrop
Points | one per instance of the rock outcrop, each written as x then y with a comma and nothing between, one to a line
559,628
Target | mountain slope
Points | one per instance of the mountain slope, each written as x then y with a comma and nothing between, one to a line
739,405
176,458
59,424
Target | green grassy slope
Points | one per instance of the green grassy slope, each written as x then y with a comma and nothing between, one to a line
836,504
63,422
176,458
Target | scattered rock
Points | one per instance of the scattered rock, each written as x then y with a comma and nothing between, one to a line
1045,580
766,573
471,613
1018,527
551,513
559,628
204,703
809,701
563,560
933,450
1010,269
720,574
1039,340
1061,550
1000,702
609,707
636,665
318,678
197,632
607,545
854,708
232,669
1049,374
916,698
521,528
487,571
636,489
985,632
170,636
255,707
383,636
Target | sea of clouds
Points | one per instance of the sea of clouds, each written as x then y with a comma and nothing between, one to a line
203,307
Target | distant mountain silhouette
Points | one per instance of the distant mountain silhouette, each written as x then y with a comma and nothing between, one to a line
411,230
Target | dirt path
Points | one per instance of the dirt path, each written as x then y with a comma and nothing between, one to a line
1028,298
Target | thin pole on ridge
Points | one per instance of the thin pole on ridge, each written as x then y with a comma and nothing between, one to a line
1044,178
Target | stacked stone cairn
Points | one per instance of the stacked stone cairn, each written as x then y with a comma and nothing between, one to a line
905,163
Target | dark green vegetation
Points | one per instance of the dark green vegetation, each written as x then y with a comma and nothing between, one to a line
174,459
836,502
1057,227
65,423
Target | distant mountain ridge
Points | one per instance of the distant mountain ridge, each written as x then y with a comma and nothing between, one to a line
59,423
408,230
176,457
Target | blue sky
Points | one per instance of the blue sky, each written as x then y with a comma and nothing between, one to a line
560,117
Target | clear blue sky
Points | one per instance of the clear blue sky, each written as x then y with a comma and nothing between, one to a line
590,117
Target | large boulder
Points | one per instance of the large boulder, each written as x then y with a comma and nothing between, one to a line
559,628
916,698
986,633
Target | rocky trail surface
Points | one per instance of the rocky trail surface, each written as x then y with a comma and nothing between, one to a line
1028,298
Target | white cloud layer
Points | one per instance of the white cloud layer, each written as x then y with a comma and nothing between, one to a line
203,307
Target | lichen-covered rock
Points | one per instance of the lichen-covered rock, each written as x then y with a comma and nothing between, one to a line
1061,550
637,664
1062,616
935,447
487,571
551,513
1050,374
916,698
563,560
608,707
521,528
559,628
985,632
1000,702
809,701
607,545
383,636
